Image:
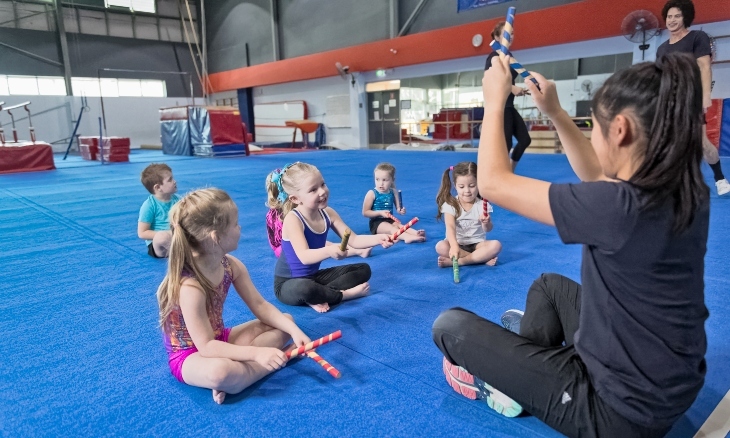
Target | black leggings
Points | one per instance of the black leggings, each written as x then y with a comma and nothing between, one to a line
325,286
515,126
534,368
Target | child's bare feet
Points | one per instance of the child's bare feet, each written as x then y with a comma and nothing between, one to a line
444,262
410,238
219,396
492,262
356,292
421,232
321,308
364,253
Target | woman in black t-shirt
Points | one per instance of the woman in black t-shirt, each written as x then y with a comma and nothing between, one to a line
621,355
678,15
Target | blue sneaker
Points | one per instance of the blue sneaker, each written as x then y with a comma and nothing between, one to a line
511,320
474,388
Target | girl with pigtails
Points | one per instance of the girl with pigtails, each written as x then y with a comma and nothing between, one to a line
202,351
467,218
303,202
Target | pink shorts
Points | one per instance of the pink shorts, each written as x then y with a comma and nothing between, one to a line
175,359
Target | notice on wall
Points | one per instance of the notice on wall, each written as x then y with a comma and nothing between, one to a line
376,115
376,104
337,111
386,110
391,102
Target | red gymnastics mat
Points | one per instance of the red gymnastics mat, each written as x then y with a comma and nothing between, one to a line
26,157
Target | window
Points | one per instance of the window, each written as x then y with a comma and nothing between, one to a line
85,87
111,87
51,86
133,5
4,86
23,85
130,87
153,88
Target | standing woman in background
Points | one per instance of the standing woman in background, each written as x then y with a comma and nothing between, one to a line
513,123
678,16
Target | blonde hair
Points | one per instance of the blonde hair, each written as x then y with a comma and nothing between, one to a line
386,167
465,168
291,177
192,220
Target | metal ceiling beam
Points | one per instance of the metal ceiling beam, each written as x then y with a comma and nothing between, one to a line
63,44
32,55
275,28
394,5
412,18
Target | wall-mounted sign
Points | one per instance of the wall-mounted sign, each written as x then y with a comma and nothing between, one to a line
465,5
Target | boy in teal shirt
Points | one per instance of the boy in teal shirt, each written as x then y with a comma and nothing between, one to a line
154,224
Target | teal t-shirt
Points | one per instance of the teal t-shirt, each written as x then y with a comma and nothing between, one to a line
156,213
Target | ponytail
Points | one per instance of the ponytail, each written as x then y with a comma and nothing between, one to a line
192,219
666,101
444,195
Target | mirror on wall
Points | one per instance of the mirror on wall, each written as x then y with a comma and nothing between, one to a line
426,102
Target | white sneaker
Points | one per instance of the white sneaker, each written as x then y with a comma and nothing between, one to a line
723,187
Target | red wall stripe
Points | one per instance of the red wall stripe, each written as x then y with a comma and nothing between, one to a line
586,20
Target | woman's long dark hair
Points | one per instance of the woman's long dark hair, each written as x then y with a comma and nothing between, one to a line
665,99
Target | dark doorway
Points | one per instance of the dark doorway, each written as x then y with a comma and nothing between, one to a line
383,118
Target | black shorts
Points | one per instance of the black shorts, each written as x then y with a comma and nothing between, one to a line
376,221
469,247
151,251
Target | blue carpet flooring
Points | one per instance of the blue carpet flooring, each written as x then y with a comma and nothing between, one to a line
83,356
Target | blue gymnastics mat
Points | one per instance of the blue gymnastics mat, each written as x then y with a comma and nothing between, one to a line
83,355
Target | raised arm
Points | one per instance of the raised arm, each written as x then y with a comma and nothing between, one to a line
524,196
577,147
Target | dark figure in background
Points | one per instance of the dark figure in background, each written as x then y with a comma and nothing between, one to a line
513,123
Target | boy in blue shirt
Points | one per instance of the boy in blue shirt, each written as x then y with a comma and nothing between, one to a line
154,224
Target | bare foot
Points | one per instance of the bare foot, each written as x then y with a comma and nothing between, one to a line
492,262
364,253
421,233
444,262
219,396
410,238
356,292
321,308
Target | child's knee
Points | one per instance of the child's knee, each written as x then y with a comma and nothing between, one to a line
218,372
442,247
162,237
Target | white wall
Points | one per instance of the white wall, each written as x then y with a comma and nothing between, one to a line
315,93
54,118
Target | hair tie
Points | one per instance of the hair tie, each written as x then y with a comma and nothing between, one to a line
451,168
276,179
